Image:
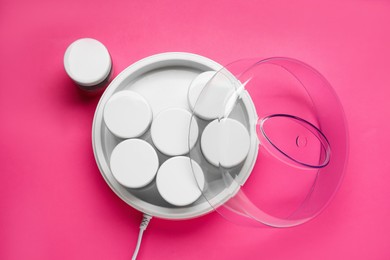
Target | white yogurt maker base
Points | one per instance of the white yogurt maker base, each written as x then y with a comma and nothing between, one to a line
163,80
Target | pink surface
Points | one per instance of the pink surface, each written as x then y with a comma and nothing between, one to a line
54,203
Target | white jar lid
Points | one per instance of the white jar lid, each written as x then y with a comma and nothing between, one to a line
212,105
180,181
87,62
225,142
127,114
171,129
134,163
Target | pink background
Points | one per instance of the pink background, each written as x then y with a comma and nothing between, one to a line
54,203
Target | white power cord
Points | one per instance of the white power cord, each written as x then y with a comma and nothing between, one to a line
144,224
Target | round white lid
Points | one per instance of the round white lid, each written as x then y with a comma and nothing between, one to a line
209,106
87,62
225,142
171,129
127,114
134,163
176,181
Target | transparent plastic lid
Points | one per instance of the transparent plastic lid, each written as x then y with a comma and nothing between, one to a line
272,142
